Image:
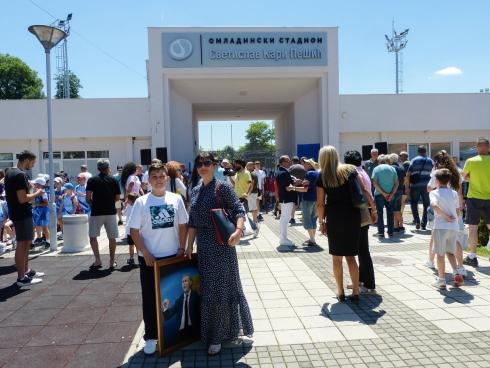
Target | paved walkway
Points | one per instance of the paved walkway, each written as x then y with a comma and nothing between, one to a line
74,319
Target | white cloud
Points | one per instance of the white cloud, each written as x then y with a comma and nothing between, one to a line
449,71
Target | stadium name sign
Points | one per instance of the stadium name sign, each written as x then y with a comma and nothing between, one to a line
251,49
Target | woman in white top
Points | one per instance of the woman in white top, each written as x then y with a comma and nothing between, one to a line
129,179
442,160
175,183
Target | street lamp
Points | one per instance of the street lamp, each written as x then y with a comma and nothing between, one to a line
49,37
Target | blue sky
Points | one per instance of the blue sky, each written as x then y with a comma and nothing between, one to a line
108,45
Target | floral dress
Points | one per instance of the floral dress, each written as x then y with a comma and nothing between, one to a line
224,309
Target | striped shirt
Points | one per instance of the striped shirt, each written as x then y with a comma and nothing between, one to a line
421,166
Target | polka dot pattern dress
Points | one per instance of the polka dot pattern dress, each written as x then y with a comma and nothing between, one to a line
224,309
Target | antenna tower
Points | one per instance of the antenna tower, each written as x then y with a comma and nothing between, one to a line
396,43
62,55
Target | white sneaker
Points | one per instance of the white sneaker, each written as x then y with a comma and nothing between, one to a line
28,281
32,273
462,271
150,347
439,284
243,341
430,264
365,290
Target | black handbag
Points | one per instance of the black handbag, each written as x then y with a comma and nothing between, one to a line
223,224
357,195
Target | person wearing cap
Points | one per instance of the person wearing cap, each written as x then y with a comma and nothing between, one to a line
84,170
81,194
102,194
68,204
40,214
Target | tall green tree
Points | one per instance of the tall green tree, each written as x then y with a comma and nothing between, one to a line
18,80
259,136
75,85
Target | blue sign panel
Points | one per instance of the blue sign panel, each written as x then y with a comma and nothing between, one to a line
244,49
308,150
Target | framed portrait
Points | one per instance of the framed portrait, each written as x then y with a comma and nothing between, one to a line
178,300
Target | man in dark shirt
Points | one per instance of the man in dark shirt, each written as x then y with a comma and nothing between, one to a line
20,212
287,198
298,172
416,180
102,194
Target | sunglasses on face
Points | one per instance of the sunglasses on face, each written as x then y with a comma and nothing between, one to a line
205,163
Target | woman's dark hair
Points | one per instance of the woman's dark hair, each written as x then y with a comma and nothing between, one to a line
204,156
128,170
444,161
194,179
353,158
26,155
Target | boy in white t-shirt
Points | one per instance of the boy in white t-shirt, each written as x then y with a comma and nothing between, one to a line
158,227
445,203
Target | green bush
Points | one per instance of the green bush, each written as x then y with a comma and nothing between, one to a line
483,233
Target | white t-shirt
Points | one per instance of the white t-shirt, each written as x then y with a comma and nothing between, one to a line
179,187
144,180
447,200
158,220
127,212
432,181
136,184
261,177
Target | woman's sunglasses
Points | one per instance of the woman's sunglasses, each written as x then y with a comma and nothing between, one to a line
205,163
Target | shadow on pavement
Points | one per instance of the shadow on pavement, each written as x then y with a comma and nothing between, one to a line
92,275
10,291
6,270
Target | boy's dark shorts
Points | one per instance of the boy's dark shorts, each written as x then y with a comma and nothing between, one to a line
130,240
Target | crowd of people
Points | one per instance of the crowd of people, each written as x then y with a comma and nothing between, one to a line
167,211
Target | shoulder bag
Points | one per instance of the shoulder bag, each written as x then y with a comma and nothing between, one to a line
223,224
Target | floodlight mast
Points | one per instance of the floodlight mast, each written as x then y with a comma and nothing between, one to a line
62,55
396,43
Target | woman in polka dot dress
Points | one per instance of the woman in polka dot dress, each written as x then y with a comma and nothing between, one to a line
225,314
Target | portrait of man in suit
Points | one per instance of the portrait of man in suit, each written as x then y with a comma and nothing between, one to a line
186,309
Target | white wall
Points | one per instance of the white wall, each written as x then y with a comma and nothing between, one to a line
307,124
414,112
181,129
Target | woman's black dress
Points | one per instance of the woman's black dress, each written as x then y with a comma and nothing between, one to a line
343,220
224,309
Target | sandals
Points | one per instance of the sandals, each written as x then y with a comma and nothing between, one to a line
341,298
94,267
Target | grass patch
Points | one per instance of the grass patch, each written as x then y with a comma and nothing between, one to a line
483,252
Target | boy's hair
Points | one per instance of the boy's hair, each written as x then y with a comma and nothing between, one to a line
157,167
133,196
26,155
443,176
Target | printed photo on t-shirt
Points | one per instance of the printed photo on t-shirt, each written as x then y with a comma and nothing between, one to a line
162,216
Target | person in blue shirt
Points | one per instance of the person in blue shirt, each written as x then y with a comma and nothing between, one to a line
416,180
385,181
80,192
40,214
308,203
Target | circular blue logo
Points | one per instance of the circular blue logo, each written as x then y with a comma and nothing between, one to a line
180,49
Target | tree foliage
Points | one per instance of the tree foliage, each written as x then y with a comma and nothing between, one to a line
75,85
259,136
18,80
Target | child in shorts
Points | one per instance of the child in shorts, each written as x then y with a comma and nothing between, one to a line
445,203
127,213
40,214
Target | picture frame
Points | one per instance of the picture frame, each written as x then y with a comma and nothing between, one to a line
177,284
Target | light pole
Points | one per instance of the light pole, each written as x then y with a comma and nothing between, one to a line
396,43
49,37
